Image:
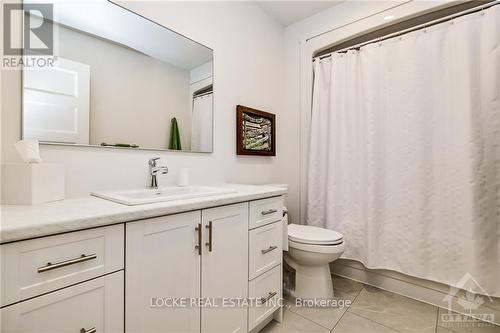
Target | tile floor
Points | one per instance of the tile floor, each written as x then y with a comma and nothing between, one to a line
372,311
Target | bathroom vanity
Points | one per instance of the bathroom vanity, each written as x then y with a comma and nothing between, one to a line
92,265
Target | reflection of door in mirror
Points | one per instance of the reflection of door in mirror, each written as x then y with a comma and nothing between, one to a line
56,102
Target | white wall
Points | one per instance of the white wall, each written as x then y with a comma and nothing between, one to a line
248,54
336,24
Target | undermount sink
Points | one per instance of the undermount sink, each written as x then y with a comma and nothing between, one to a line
145,196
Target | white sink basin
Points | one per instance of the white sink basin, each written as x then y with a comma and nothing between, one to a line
145,196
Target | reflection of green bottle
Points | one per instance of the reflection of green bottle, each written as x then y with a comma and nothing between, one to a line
175,138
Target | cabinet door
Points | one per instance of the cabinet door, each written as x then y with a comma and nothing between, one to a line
95,305
225,267
162,264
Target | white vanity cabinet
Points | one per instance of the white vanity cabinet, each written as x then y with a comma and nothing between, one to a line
184,257
191,272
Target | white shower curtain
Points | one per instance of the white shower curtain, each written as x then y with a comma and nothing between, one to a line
404,155
201,124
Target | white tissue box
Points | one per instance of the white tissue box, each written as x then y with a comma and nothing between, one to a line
32,183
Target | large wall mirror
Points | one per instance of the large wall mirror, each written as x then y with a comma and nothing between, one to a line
119,80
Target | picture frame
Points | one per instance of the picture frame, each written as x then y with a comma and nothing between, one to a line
255,132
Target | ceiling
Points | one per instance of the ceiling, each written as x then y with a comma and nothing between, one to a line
289,12
111,22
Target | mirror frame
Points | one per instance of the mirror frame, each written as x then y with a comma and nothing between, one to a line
123,148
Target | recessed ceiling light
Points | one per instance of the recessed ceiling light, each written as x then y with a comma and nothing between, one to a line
388,17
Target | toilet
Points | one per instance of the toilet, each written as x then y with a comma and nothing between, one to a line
310,251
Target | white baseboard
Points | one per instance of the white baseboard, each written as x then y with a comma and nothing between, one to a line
422,290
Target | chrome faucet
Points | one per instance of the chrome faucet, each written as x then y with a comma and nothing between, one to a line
153,171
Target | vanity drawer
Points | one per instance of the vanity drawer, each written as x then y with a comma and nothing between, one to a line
92,306
74,257
265,211
265,248
267,289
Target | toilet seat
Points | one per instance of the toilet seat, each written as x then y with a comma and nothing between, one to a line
309,235
327,249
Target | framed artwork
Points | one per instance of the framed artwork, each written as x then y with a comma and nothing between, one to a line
255,132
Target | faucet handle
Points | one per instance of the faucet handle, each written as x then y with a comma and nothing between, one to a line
152,161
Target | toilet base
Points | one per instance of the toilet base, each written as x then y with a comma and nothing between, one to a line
311,281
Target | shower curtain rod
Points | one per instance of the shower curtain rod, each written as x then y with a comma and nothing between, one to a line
203,94
415,28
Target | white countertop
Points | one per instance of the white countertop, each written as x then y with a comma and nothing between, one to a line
24,222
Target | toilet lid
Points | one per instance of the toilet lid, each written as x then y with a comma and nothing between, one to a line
313,235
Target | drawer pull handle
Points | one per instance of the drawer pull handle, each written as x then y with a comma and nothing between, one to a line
267,212
198,247
209,243
274,247
263,300
90,330
50,266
